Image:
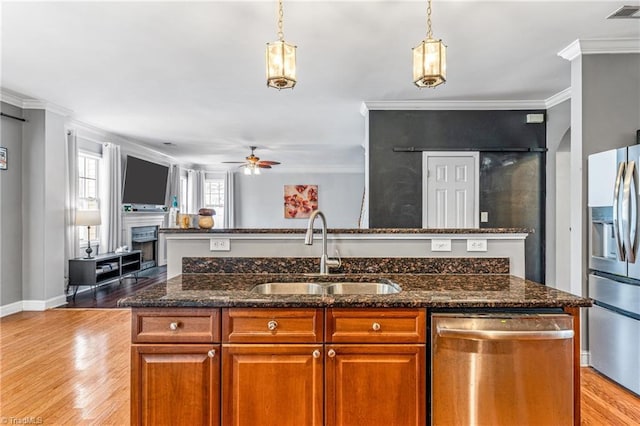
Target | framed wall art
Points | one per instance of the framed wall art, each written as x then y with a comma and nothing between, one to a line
3,158
300,201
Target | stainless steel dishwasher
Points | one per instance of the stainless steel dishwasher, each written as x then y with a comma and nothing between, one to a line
501,369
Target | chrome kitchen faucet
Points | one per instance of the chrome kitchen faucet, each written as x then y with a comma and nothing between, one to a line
325,261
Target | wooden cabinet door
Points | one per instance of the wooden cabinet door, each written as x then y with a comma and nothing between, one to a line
375,385
175,385
272,385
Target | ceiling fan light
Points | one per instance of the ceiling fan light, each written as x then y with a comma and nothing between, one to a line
281,65
247,170
256,171
429,63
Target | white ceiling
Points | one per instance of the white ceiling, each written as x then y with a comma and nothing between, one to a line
192,73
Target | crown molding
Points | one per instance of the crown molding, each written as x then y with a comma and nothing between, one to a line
600,47
558,98
10,98
307,170
47,106
451,105
24,102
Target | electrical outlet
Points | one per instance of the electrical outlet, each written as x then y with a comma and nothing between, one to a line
440,245
477,245
219,244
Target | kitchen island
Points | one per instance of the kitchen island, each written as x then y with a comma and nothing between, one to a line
209,350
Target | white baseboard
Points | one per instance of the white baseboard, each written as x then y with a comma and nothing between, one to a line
33,305
11,308
585,359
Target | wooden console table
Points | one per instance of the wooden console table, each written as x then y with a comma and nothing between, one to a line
103,268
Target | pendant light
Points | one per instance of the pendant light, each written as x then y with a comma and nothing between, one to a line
281,59
429,59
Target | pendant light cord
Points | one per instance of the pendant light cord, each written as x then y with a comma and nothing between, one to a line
429,33
280,18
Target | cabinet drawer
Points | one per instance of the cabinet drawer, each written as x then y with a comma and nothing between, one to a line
271,325
376,325
175,325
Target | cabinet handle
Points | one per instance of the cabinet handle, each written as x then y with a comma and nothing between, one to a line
272,325
174,326
331,353
376,326
316,353
211,353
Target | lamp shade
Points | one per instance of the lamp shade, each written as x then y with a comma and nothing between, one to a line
430,63
281,65
87,217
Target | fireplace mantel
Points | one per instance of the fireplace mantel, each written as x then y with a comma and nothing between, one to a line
135,219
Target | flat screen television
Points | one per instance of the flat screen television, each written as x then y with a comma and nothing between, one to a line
144,182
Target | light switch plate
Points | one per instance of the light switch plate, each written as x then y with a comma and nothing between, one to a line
219,244
484,217
440,245
476,245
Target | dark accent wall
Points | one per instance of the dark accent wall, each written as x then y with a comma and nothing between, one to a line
511,183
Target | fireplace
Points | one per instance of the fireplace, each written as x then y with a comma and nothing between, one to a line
145,239
131,220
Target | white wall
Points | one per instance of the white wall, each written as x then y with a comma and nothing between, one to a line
562,279
558,125
260,203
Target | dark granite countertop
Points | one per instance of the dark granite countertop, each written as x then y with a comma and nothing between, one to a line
350,231
418,290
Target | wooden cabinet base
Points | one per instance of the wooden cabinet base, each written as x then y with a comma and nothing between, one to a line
272,385
175,384
375,385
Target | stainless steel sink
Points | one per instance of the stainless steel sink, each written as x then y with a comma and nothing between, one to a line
362,288
288,288
343,287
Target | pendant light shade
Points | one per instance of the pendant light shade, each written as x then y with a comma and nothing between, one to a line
430,63
281,65
281,59
429,59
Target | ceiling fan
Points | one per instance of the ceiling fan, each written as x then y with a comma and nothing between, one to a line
253,164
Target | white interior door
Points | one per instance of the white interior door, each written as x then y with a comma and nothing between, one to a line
450,189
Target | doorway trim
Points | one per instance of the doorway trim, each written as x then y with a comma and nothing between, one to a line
476,181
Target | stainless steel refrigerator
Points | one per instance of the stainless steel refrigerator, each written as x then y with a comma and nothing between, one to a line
614,279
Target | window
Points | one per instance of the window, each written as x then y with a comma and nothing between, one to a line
88,193
183,194
214,199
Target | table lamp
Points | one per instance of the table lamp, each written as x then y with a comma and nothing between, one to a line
88,218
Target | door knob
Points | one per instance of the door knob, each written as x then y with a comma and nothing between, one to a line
272,325
316,353
174,326
376,326
331,353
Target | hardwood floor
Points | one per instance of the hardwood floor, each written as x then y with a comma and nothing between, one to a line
65,366
71,366
107,295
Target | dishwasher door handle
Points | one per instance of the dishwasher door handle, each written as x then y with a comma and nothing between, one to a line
460,333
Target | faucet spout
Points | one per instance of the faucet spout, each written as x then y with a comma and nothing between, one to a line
325,262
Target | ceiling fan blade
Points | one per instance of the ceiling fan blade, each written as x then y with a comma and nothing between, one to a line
264,166
268,163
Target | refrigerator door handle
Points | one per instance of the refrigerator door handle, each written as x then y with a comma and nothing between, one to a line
629,194
616,212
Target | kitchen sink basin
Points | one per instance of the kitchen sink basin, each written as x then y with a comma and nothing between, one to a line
288,288
344,287
362,288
